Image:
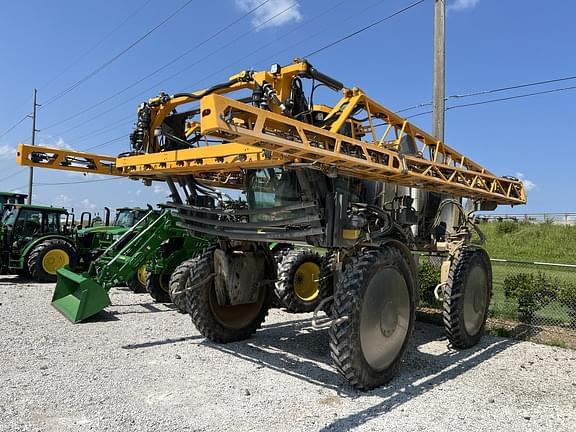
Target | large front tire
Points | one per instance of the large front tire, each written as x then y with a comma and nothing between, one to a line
221,323
467,297
137,283
49,256
376,299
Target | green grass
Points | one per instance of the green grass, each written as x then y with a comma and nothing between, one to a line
523,241
531,241
503,307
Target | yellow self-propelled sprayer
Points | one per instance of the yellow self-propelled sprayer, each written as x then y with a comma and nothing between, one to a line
352,177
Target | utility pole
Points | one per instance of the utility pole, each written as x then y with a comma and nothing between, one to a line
31,175
438,99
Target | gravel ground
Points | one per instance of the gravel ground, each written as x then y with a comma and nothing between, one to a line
143,367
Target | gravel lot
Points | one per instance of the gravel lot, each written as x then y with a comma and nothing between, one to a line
143,367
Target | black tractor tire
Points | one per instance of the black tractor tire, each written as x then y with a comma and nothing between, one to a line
48,256
467,296
298,287
157,285
374,307
221,324
327,280
137,283
178,282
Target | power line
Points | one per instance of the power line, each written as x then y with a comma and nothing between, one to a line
13,174
18,187
498,100
106,143
485,92
156,85
11,128
100,131
97,44
259,49
342,39
83,55
116,57
161,68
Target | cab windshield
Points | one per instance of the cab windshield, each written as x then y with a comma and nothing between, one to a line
124,218
9,216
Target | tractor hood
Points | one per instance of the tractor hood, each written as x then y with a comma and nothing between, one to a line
103,229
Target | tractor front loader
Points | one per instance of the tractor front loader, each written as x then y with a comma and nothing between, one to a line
354,178
81,295
92,241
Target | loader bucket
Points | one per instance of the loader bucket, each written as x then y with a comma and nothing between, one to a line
78,296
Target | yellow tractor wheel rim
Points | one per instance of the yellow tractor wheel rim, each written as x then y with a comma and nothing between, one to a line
307,281
55,259
141,274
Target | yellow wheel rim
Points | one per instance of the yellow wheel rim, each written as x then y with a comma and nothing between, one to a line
55,259
141,274
307,281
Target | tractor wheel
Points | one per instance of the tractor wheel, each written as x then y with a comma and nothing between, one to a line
467,297
49,256
327,278
177,284
376,302
218,323
298,286
137,283
157,286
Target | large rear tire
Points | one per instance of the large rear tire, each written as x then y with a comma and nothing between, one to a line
49,256
376,297
216,322
157,285
467,297
298,285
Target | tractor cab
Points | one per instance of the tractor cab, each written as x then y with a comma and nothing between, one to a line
35,241
11,198
94,240
128,217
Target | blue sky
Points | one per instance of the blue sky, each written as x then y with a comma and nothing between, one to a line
490,44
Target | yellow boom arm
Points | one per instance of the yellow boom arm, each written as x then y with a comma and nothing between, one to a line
358,137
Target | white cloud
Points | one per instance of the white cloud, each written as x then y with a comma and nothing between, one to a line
7,152
458,5
53,141
275,13
63,201
529,185
87,204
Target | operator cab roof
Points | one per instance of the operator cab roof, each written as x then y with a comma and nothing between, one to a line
13,195
38,207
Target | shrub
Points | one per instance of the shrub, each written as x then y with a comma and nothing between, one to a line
533,291
429,278
507,227
567,297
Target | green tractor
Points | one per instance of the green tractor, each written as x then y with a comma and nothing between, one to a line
35,242
93,240
156,238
